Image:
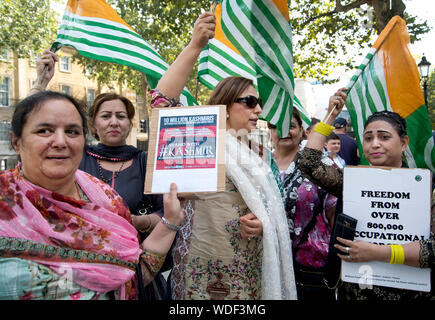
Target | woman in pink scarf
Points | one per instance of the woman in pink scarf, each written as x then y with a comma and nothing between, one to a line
63,233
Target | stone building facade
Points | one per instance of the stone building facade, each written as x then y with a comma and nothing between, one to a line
17,76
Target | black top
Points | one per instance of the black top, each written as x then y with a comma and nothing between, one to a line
129,183
348,149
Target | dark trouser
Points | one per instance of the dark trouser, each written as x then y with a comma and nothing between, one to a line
310,284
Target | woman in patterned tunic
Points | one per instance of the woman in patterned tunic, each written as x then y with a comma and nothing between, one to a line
64,234
234,244
310,213
384,141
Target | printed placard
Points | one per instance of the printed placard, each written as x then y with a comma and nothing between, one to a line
187,147
187,142
392,207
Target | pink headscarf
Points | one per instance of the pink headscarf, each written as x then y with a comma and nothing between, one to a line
100,226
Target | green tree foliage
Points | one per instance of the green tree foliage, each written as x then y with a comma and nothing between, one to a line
26,26
330,33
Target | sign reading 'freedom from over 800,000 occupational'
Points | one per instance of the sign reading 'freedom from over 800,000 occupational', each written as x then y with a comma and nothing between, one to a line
392,207
187,147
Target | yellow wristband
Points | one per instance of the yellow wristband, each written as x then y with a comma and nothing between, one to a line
324,129
397,254
392,254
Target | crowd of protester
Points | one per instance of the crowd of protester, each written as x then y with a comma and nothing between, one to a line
77,214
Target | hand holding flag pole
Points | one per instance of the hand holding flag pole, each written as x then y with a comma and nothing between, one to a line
54,48
338,100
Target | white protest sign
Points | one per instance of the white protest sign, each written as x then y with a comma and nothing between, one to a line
392,206
187,146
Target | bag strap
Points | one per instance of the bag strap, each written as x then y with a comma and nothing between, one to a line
307,230
333,263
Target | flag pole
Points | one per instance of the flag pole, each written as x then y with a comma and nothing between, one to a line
327,118
196,89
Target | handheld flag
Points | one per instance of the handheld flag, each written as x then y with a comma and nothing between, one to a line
261,33
388,79
220,59
96,31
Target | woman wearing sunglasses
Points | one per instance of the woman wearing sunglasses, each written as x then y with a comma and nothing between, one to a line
233,244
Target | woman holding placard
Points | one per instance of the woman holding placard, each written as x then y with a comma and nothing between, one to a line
113,161
64,234
233,244
384,141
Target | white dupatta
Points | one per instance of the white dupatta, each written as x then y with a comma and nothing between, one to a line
256,183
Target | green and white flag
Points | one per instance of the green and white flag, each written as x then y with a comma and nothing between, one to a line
261,33
220,59
388,79
96,31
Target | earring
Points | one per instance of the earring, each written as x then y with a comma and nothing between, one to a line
228,116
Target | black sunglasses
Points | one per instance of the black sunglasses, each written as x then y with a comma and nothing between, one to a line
250,101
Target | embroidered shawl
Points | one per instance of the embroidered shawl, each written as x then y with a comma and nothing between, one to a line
95,239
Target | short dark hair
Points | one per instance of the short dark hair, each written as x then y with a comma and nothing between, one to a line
332,136
393,118
35,102
109,96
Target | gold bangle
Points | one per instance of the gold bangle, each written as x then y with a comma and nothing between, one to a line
324,129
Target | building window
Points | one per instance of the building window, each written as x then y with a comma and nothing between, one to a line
65,89
4,91
90,96
65,64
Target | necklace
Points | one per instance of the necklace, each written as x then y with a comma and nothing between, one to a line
82,195
114,173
